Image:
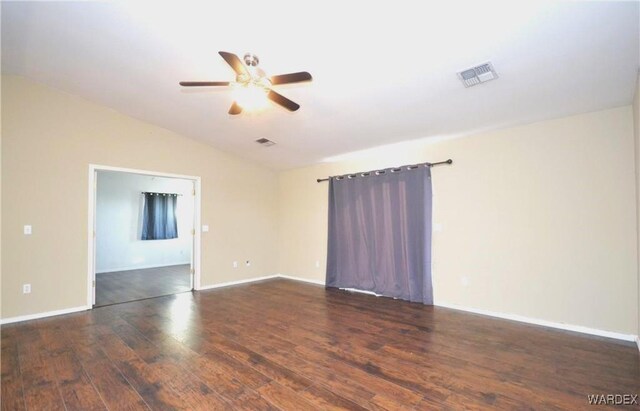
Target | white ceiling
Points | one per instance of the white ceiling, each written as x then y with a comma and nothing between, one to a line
383,72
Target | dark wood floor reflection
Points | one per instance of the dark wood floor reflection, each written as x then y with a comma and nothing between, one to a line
292,346
131,285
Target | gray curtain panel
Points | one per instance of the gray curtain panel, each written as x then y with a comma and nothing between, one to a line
159,217
380,234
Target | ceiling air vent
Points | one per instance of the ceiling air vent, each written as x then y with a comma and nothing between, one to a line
265,142
478,74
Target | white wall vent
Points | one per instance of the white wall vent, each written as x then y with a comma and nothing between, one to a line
265,142
478,74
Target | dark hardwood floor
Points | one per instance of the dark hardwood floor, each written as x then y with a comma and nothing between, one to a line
286,345
123,286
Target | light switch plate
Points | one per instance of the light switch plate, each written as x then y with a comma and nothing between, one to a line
26,289
205,228
235,264
27,230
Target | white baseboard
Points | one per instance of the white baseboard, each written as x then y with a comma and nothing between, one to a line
83,308
255,279
513,317
355,290
544,323
304,280
228,283
141,267
44,314
321,282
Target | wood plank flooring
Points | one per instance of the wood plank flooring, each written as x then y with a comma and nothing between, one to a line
281,344
124,286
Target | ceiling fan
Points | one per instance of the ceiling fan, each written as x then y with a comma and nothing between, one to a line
252,86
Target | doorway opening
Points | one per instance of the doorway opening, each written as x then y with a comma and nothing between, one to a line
143,240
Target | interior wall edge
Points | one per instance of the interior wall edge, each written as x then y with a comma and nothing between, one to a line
636,139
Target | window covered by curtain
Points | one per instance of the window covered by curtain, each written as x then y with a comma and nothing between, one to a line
159,216
380,233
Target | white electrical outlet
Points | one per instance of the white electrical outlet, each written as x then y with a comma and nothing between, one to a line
27,230
248,263
205,228
235,264
26,289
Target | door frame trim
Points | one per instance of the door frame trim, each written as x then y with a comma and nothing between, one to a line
91,240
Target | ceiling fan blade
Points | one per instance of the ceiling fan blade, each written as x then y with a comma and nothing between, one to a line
203,83
235,109
234,61
291,78
283,101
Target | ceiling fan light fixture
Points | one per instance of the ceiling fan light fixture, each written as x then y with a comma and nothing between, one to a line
250,97
252,88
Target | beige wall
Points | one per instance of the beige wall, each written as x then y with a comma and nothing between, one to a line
636,133
0,189
541,219
49,139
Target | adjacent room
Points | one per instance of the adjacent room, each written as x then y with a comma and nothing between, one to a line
287,206
143,236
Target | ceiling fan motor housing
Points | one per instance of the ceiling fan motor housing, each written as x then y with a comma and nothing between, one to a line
251,60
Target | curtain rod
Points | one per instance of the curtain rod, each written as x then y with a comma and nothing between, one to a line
449,161
164,194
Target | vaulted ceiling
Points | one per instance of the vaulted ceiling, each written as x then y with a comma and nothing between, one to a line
384,72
